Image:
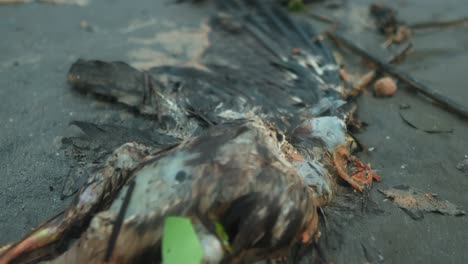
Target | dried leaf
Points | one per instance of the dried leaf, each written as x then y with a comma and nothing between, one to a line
415,203
429,123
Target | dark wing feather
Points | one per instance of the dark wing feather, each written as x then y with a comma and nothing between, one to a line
96,143
270,66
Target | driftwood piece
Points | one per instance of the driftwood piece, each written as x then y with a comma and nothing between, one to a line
401,55
440,24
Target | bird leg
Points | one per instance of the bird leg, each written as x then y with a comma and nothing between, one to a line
352,170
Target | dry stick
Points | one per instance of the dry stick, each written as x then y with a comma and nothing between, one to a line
440,24
401,55
441,99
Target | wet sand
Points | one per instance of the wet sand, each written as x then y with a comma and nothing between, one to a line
39,42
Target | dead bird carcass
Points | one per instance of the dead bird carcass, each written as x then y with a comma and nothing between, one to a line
256,146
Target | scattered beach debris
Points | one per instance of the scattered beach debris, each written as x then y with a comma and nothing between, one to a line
442,100
397,31
404,106
463,165
366,79
388,24
415,202
385,18
385,87
360,86
84,25
345,76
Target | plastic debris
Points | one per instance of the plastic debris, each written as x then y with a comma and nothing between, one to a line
180,243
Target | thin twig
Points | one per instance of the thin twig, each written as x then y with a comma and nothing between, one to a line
118,222
441,99
401,55
440,24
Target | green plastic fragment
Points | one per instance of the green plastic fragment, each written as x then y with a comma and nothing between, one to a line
180,243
